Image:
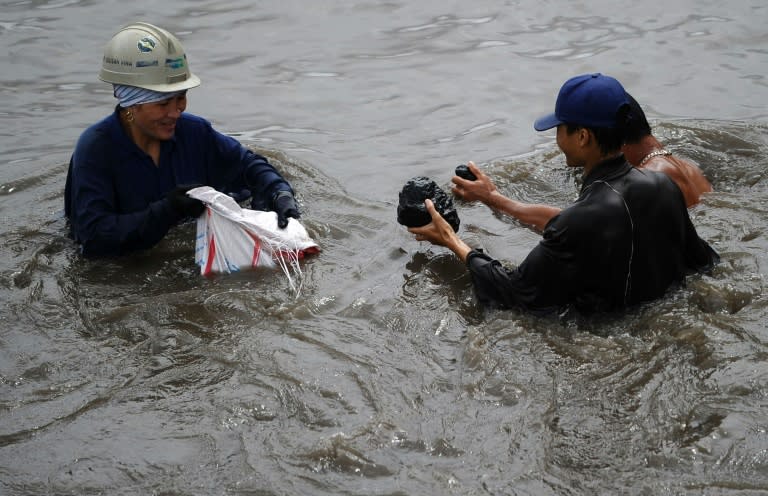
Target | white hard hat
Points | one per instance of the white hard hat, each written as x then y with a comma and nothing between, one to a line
147,56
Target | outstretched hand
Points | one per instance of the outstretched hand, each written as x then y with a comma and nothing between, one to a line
481,189
440,232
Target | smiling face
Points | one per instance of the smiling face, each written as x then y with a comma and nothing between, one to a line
157,121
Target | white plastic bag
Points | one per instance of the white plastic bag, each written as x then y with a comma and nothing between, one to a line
231,238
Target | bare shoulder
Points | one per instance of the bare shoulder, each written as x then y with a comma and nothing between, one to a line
686,174
672,166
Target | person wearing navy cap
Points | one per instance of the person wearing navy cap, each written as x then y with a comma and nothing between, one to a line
641,149
627,239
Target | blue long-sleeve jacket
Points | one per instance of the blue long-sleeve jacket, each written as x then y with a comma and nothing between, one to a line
115,194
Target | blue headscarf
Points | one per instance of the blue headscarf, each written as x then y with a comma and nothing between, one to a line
131,95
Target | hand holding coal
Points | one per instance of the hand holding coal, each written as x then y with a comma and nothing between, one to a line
411,211
463,172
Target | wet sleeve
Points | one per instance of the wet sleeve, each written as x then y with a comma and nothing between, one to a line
543,283
95,221
496,285
699,255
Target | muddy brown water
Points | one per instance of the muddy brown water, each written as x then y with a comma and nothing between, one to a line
382,376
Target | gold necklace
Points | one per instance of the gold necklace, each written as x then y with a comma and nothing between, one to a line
655,153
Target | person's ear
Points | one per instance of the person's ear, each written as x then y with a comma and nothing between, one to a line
585,136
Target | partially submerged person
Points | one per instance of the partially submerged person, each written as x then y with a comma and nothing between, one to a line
129,173
627,238
644,151
641,149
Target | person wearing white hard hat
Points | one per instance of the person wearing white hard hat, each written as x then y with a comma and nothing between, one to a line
129,173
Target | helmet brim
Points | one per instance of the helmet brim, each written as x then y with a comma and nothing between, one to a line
191,82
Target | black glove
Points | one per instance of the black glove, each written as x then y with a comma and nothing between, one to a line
183,205
285,205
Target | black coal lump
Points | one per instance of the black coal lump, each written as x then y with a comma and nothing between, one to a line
463,172
411,211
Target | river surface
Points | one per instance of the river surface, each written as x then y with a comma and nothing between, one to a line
381,375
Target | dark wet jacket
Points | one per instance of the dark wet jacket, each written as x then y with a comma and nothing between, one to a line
625,240
115,195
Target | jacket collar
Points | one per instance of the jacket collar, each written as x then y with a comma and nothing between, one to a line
607,170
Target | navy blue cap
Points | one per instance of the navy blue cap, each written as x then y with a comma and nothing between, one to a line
589,100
